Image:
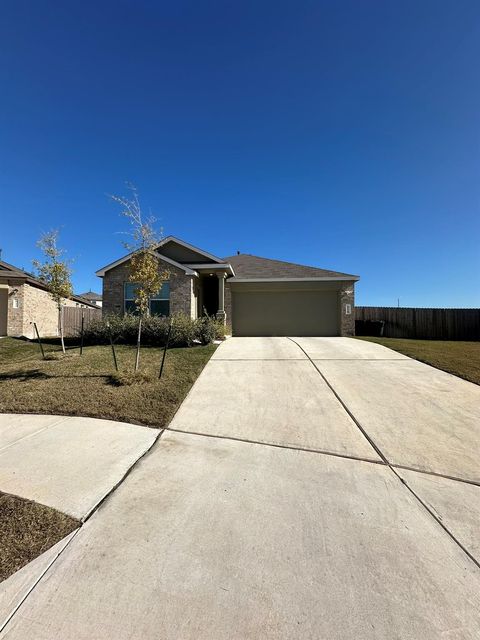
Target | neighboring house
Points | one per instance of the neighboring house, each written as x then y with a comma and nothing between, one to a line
256,296
24,299
92,298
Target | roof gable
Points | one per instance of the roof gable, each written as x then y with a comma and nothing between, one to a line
184,252
175,251
101,272
254,267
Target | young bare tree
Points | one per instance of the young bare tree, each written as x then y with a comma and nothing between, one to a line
55,273
146,271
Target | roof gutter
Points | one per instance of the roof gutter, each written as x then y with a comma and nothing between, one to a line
317,279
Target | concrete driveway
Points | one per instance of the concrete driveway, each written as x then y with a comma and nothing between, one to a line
301,492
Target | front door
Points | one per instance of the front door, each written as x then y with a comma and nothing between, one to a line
210,295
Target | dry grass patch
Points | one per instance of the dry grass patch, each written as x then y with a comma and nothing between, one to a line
89,386
457,357
27,529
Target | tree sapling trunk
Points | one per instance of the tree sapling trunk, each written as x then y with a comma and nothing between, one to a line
146,272
55,274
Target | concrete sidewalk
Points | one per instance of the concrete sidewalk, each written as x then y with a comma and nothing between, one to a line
287,518
66,463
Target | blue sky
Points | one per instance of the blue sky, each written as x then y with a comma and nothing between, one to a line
339,134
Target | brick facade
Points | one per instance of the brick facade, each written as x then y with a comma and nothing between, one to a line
347,297
34,305
182,294
15,315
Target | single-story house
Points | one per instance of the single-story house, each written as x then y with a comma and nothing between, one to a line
256,296
92,298
24,299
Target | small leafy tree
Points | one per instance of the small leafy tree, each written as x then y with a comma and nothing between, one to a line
145,268
55,273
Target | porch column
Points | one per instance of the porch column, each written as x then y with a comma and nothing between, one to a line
221,315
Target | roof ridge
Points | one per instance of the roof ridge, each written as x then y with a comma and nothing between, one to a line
294,264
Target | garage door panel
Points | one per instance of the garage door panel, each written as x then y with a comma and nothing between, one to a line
284,313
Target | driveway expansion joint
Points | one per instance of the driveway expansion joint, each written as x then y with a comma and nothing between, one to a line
364,433
392,467
259,360
436,517
262,443
97,506
435,474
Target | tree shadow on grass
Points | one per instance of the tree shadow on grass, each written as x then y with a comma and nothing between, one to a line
24,376
37,374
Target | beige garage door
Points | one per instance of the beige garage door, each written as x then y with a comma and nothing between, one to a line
285,313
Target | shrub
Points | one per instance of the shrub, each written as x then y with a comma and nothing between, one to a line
154,331
223,330
206,329
184,332
123,330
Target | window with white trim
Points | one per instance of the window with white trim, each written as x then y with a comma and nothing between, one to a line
348,309
159,303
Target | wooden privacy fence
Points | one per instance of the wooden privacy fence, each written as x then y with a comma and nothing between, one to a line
72,319
435,324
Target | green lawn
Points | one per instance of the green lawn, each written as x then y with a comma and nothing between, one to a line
86,386
460,358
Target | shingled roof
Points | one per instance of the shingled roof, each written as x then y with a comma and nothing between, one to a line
9,270
12,274
251,267
90,295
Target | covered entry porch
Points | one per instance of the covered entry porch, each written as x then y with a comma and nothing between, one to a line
209,290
